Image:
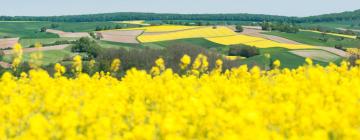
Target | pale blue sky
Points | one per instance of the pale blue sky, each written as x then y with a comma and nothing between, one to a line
275,7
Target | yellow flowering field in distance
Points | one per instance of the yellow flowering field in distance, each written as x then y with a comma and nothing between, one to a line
310,102
162,28
335,34
137,22
254,41
193,33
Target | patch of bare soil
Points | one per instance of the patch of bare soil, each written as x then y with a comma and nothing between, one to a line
68,34
8,42
123,36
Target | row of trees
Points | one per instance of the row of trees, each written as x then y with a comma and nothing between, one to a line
282,27
344,16
150,16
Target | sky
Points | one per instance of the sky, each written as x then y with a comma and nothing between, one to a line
274,7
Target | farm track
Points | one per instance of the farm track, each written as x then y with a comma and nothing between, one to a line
258,33
49,48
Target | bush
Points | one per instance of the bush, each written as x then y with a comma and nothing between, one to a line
243,50
340,47
239,28
43,29
88,46
144,58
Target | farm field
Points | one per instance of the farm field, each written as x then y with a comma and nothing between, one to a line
319,55
49,56
312,38
24,30
194,33
123,36
255,41
334,34
162,28
28,42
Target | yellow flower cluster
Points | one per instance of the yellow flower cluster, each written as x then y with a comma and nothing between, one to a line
354,51
115,65
17,55
310,102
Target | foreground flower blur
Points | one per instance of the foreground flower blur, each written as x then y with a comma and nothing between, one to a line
310,102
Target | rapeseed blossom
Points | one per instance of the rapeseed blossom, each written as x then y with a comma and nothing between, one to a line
17,55
309,102
185,61
115,65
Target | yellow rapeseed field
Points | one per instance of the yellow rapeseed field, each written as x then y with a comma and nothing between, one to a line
307,103
194,33
162,28
335,34
254,41
137,22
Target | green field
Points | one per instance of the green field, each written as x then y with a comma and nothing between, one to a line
49,57
288,59
27,42
25,30
84,26
312,38
32,29
109,44
196,42
334,25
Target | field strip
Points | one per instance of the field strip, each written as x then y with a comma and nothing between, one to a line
164,32
343,29
68,34
123,36
205,32
334,34
8,42
56,47
164,28
320,55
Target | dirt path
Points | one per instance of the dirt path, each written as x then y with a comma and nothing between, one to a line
256,32
56,47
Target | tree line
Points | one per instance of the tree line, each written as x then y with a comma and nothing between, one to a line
121,16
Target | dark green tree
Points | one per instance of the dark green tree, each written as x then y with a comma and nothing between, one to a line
87,45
